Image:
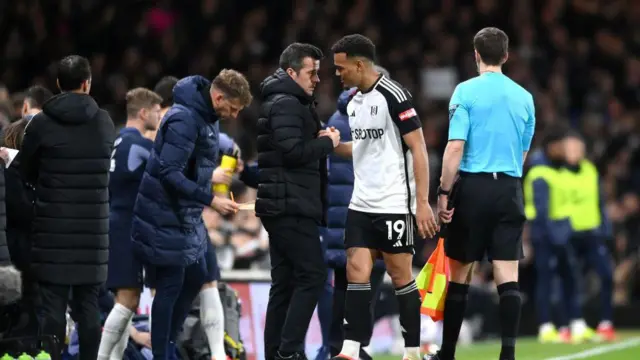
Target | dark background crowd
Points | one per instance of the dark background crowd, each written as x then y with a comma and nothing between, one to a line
578,58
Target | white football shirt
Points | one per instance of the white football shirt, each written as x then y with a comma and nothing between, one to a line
382,162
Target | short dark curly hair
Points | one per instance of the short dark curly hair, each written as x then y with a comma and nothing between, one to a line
492,44
355,45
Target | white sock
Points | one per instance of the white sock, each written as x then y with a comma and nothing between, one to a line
212,320
121,346
114,326
351,349
411,353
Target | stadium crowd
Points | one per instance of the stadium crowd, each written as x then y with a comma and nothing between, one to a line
577,57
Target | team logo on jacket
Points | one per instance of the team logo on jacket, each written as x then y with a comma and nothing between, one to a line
374,110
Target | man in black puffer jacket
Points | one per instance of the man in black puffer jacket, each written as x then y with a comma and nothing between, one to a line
292,197
66,153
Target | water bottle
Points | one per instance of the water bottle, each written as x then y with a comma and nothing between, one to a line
43,355
229,162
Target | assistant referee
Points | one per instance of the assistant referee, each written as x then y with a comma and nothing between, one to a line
492,121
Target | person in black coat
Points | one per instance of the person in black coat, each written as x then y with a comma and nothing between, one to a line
19,200
66,153
291,200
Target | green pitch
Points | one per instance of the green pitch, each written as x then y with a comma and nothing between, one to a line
626,348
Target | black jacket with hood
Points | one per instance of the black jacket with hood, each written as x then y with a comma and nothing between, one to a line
292,160
66,154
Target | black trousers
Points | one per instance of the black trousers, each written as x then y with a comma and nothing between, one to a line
84,311
298,274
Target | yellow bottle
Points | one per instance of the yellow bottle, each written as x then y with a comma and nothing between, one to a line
228,162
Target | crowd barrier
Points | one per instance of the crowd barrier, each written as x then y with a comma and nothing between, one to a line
253,290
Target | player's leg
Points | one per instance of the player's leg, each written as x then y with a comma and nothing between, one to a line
396,240
568,270
599,258
211,311
360,240
546,263
465,244
506,251
126,277
116,326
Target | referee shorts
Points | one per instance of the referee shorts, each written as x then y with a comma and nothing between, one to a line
488,218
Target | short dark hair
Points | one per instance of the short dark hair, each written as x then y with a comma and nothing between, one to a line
234,85
73,70
164,88
37,95
294,54
492,44
355,45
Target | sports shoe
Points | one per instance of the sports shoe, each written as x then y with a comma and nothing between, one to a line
584,335
548,335
606,332
435,356
565,335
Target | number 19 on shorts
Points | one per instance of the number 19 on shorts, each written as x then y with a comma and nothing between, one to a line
400,232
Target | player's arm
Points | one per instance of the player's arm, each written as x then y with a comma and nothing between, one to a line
138,156
459,124
287,125
529,128
179,142
29,152
406,118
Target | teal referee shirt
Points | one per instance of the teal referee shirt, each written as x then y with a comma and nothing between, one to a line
496,118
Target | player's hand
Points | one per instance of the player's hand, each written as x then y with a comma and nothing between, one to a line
427,226
444,214
222,176
224,206
333,134
4,155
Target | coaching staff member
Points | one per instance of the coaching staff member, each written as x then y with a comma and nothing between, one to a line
34,100
292,197
65,154
492,121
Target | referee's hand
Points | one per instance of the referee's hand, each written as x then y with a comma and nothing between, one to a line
427,225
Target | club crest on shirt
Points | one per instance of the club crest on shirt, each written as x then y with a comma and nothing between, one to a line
452,110
374,110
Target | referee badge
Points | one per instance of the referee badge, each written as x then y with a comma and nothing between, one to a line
452,110
374,110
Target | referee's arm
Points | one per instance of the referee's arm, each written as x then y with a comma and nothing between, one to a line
459,124
529,128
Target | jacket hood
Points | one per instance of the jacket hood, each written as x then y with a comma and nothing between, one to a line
72,108
281,83
193,92
344,98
